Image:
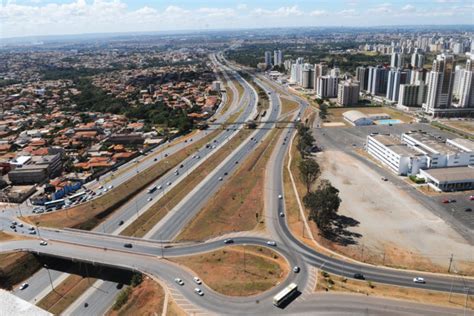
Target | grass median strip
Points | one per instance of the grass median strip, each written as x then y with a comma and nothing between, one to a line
238,270
65,293
238,204
288,105
154,214
90,214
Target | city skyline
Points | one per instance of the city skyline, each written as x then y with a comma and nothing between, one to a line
40,18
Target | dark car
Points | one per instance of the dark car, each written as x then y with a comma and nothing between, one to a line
128,245
359,276
120,223
228,241
468,210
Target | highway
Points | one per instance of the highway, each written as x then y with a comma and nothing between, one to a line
145,255
139,204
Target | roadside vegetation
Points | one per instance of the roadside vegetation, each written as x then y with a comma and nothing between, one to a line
238,270
334,283
16,267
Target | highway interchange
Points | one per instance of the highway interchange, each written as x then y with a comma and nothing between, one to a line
145,254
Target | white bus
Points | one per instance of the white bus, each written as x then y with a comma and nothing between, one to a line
77,196
54,204
152,189
285,294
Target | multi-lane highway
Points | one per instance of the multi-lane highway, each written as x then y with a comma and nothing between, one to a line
145,255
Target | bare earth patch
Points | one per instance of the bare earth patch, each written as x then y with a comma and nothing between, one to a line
224,270
394,228
145,299
339,284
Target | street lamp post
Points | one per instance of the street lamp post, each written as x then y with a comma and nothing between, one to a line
49,274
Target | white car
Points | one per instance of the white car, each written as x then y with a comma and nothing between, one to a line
43,243
197,280
149,199
159,187
23,286
32,232
220,179
418,280
110,187
198,291
282,214
271,243
280,196
179,281
169,183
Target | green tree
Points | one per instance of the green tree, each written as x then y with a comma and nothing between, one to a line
309,171
323,111
323,205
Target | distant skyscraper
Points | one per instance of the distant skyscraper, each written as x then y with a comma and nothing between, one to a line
417,59
268,58
466,89
335,72
377,82
277,58
362,75
440,84
397,60
348,93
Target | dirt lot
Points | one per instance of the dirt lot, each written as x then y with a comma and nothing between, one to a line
223,270
465,126
145,299
395,229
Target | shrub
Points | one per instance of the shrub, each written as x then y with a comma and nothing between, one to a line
122,298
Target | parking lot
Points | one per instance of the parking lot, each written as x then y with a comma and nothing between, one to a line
352,139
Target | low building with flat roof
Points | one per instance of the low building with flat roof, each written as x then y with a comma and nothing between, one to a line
395,154
450,179
357,118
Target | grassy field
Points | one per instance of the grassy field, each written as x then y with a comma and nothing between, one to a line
224,271
335,114
238,204
288,105
88,215
145,299
153,215
65,294
334,283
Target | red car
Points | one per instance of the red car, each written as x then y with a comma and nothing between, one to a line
471,197
445,201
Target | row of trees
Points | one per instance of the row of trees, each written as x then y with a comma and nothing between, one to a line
323,202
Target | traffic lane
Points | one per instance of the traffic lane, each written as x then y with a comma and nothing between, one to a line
359,304
99,301
162,269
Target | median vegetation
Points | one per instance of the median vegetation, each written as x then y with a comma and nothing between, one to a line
238,270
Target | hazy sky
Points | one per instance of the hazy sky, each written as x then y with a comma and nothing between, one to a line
46,17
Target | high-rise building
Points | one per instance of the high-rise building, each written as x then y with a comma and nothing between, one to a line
412,94
397,60
320,69
466,89
417,59
335,72
395,78
268,58
417,75
458,73
362,75
440,84
277,58
327,87
307,78
377,82
348,93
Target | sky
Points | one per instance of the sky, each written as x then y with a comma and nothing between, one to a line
58,17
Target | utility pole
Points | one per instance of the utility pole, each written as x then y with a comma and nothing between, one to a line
450,262
49,274
451,290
